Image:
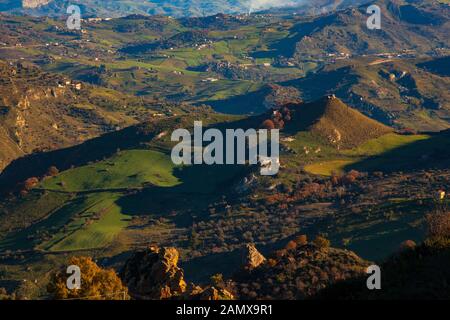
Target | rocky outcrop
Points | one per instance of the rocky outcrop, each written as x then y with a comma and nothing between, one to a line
154,274
299,272
41,111
212,293
251,257
209,293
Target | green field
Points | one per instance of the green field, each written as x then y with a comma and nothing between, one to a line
93,219
385,144
128,169
377,150
328,168
101,206
97,234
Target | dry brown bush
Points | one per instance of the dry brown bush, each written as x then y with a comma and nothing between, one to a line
291,245
301,240
268,124
321,242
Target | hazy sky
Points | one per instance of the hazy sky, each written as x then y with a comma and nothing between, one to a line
262,4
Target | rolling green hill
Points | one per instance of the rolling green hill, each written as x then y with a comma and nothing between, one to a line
131,173
394,91
229,61
121,191
86,119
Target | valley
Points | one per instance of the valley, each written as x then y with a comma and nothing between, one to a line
86,118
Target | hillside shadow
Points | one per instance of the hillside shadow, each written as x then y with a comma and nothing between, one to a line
432,153
249,103
201,185
287,46
200,270
440,66
37,164
324,82
311,88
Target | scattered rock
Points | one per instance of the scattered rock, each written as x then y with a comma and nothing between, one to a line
252,258
194,292
212,293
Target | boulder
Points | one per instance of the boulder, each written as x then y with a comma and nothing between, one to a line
209,293
251,257
154,274
214,294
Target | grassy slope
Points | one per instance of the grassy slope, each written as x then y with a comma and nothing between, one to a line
371,148
99,233
102,207
345,125
130,169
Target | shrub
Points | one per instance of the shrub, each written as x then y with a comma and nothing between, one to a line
30,183
271,262
268,124
321,242
407,245
52,171
437,243
217,280
280,253
97,283
350,177
334,180
301,240
27,290
4,295
291,245
280,124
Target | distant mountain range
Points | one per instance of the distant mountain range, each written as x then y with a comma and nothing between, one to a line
177,8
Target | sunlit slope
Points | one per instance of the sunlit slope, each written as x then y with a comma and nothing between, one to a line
128,169
336,123
89,203
392,152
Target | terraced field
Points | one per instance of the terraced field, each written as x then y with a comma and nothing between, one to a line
95,234
93,218
105,196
